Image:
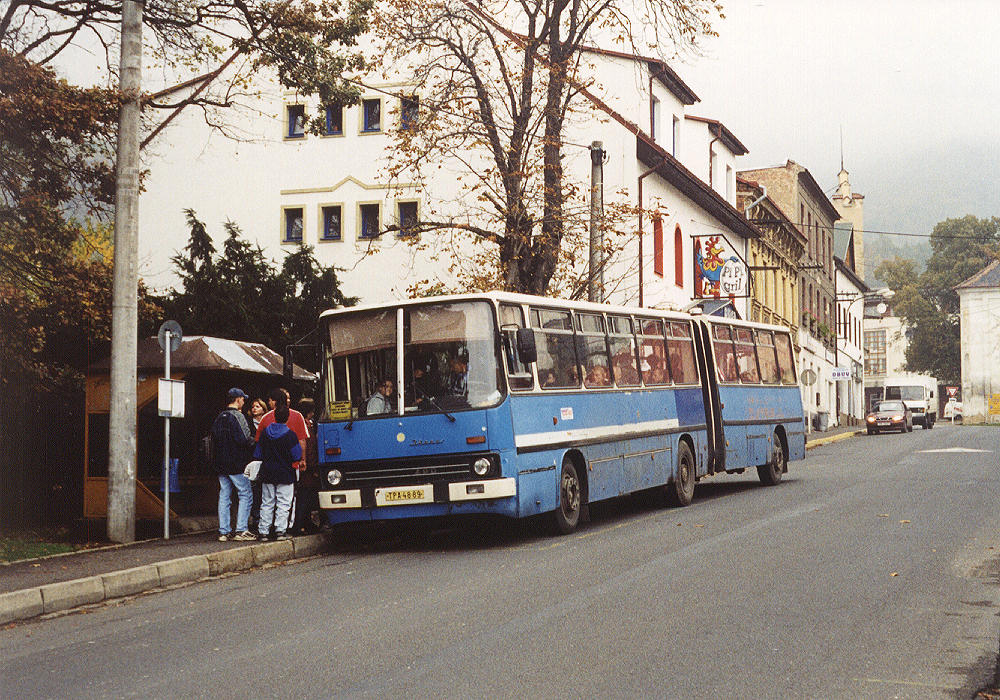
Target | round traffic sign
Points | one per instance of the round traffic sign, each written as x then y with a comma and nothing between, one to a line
176,335
808,377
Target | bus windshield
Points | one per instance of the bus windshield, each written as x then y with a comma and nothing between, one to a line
906,393
449,360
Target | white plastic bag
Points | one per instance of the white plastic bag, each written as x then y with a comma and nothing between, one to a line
252,470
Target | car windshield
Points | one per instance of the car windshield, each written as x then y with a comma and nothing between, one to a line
449,360
906,393
891,406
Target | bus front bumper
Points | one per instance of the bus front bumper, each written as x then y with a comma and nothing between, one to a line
421,493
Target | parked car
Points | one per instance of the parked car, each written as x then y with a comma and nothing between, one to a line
890,415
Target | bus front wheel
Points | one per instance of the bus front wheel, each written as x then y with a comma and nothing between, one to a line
770,473
567,514
680,491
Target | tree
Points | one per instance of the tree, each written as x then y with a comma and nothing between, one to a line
307,45
240,294
928,302
494,102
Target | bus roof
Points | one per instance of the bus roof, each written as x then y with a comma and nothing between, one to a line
515,298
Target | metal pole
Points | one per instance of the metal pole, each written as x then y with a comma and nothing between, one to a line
595,285
124,311
166,447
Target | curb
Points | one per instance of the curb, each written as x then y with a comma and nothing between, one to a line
66,595
833,438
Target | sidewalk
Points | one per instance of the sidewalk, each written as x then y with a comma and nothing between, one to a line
841,432
38,586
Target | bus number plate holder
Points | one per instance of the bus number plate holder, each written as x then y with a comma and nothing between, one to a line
404,495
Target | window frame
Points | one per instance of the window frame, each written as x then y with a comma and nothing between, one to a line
360,228
409,105
363,123
323,236
285,212
327,114
294,112
402,233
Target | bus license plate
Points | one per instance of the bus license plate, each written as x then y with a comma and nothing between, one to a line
404,495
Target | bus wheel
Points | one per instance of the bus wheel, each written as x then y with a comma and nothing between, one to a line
680,491
770,473
567,515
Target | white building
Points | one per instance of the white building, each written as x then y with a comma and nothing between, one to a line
979,307
284,186
851,291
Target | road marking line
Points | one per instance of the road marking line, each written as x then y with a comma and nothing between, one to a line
916,684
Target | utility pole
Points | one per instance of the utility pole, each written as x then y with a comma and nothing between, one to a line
595,282
124,308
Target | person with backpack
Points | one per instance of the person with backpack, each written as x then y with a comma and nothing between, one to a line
280,453
232,442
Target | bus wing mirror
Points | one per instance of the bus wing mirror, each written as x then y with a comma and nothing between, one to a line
526,345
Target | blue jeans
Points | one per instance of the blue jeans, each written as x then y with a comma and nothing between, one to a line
275,505
227,482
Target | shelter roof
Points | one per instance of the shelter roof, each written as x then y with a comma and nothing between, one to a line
203,352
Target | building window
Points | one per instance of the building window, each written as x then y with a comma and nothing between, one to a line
370,220
658,246
371,115
409,110
406,214
335,120
296,115
678,257
875,352
676,145
730,184
293,225
332,223
654,118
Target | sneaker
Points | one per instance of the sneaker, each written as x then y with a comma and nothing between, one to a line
281,537
245,536
225,537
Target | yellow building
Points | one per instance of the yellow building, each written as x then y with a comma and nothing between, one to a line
774,258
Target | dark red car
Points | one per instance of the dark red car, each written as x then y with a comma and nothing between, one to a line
890,415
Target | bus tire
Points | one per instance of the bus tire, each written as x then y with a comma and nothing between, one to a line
770,473
680,490
566,516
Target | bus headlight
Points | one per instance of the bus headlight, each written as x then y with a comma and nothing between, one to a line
334,477
481,466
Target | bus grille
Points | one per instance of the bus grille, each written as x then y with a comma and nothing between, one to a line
442,468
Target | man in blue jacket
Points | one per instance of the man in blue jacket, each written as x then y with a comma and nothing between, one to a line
232,442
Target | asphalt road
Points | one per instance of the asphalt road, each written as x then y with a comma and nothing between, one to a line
871,571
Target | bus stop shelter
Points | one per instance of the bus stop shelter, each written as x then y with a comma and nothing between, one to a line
209,367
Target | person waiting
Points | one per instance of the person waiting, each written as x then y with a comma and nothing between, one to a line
379,402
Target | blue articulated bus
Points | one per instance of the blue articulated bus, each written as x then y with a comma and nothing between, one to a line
518,405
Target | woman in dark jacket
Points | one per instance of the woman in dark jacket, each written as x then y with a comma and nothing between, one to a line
280,453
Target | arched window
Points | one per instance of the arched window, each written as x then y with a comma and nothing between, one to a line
678,257
658,246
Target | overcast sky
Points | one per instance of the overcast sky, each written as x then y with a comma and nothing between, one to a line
914,84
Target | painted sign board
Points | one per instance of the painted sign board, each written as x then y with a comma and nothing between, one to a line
718,269
840,373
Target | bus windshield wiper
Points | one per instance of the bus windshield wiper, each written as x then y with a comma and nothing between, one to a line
436,405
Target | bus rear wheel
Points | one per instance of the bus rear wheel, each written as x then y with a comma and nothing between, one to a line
680,491
567,514
770,473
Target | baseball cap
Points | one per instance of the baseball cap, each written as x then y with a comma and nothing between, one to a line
237,393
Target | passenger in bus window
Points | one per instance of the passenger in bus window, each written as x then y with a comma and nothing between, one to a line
625,372
657,371
380,401
546,378
597,375
422,387
459,374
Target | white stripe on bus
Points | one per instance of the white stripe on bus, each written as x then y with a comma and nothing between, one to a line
597,433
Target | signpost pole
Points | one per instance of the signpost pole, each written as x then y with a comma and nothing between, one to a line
166,447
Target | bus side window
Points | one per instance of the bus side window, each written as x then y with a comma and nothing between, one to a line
746,357
652,353
622,346
725,355
592,349
512,318
768,360
557,368
786,363
681,353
